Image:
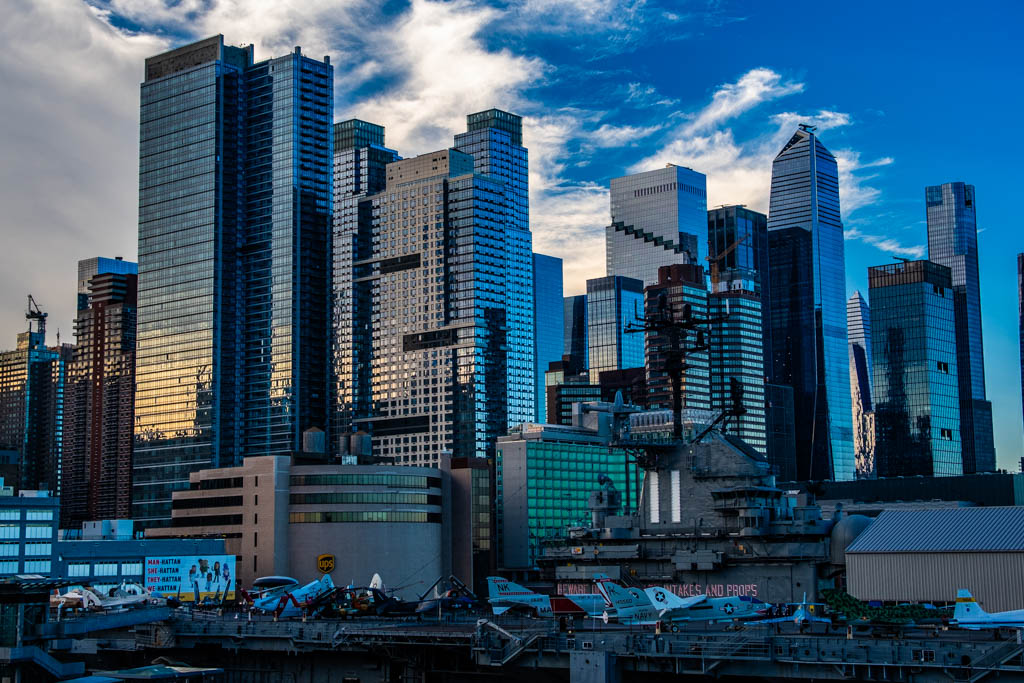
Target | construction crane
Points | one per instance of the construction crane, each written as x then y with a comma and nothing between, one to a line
714,261
34,313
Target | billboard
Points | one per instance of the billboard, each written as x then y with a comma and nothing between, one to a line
191,578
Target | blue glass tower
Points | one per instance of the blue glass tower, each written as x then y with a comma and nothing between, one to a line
613,303
659,218
953,242
808,305
917,405
858,322
574,318
360,171
548,324
234,262
494,139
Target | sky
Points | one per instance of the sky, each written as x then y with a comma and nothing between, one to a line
903,96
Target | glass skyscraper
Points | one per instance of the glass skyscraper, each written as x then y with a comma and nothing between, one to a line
953,242
548,323
808,305
234,262
858,322
613,303
1020,319
917,405
574,317
659,218
494,138
360,163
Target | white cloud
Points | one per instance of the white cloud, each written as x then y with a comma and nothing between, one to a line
886,244
732,99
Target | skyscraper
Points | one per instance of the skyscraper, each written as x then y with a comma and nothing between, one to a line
438,352
32,379
548,326
858,322
574,317
659,218
99,401
953,242
494,138
808,312
1020,318
613,302
681,285
917,405
234,262
98,265
360,163
740,346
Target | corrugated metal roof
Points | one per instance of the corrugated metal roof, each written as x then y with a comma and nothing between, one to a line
996,529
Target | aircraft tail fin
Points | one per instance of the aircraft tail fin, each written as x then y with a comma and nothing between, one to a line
377,582
618,597
662,598
967,608
498,587
326,581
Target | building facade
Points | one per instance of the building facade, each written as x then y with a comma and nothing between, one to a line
574,317
99,265
917,404
99,403
858,322
436,277
360,162
548,323
680,286
953,242
278,517
234,262
613,303
28,532
808,311
32,379
658,219
494,138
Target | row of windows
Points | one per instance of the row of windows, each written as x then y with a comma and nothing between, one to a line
31,567
368,498
76,569
31,531
30,515
407,481
364,516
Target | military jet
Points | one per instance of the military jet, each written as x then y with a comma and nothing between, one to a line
505,595
968,614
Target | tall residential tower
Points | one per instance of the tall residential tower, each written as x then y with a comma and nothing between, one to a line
953,242
234,262
858,321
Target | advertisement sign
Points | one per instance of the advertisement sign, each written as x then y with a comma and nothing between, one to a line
325,564
191,578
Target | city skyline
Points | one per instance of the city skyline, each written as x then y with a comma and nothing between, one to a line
719,122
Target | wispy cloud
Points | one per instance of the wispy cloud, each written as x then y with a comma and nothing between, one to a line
886,244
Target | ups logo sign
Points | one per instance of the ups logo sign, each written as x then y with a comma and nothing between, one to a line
325,563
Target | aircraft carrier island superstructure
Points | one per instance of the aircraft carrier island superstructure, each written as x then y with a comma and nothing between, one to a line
710,521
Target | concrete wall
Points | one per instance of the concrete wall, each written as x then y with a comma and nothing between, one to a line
993,578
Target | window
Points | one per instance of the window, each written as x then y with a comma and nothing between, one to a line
38,531
37,567
10,515
78,569
131,569
9,549
105,569
10,531
8,567
37,549
947,434
39,515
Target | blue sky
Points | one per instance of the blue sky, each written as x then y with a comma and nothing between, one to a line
904,95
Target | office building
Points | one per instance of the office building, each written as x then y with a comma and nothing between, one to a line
613,303
99,402
548,323
28,529
953,242
780,428
360,161
574,314
545,474
494,139
473,526
32,378
277,517
566,383
99,265
234,262
680,286
740,286
659,218
807,305
858,322
917,405
437,278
